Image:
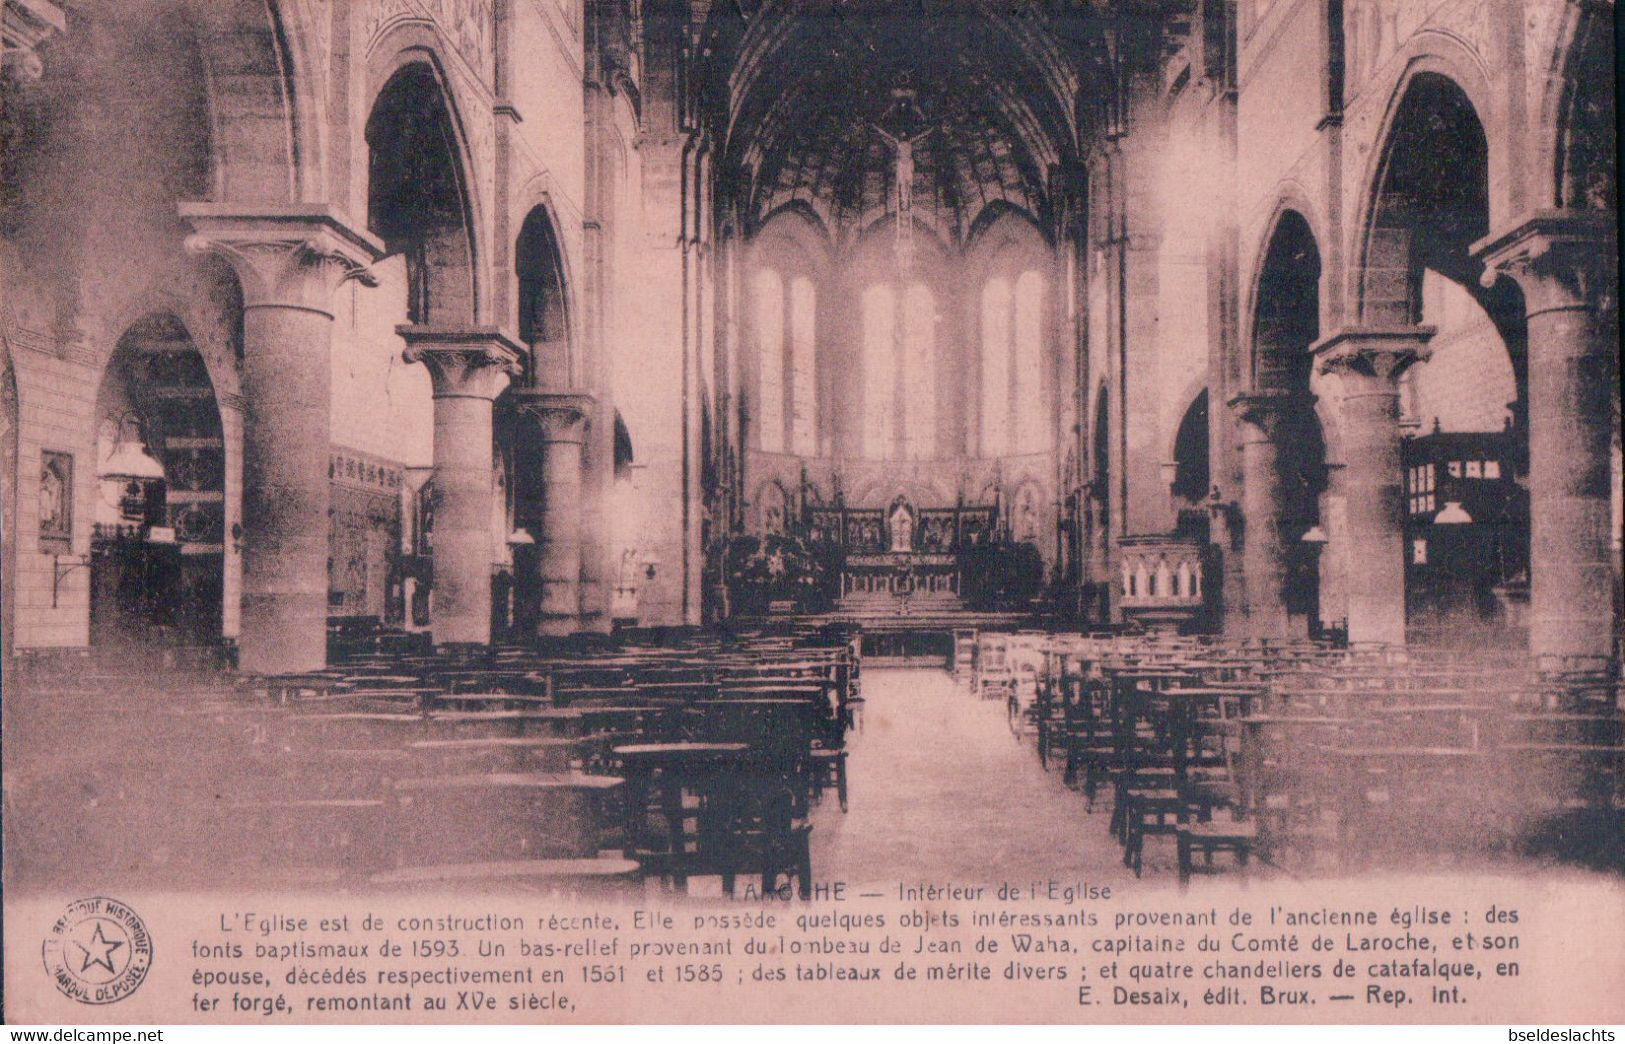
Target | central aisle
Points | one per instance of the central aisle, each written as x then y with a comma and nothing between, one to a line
942,791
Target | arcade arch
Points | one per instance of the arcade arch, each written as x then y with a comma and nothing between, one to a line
158,531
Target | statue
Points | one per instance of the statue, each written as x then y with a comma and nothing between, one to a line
904,148
1026,521
902,527
904,177
774,508
50,500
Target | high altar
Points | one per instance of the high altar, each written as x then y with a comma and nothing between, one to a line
902,551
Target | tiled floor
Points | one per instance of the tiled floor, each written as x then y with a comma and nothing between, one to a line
942,791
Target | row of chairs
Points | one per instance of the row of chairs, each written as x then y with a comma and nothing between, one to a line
574,765
1307,755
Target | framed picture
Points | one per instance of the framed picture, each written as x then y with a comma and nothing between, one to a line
56,495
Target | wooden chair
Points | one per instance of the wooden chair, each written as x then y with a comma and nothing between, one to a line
1147,795
753,830
994,678
964,655
1210,783
1288,783
1090,746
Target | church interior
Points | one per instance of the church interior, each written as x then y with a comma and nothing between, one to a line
548,443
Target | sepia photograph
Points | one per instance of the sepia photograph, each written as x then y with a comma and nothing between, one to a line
806,511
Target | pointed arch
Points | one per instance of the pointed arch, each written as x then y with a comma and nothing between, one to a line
1432,169
419,190
994,218
623,447
1434,198
1286,311
1009,259
1585,172
1192,477
788,262
156,399
258,57
545,324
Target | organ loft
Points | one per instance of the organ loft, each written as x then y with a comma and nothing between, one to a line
443,331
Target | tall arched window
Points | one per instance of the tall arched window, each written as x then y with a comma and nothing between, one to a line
1015,412
899,371
919,372
1032,412
769,294
995,366
786,363
879,370
803,367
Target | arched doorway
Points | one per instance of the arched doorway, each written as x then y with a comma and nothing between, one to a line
158,538
1283,451
1462,404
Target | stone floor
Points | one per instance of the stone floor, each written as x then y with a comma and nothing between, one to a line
941,790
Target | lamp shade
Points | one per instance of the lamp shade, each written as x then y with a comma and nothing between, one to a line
131,461
1452,515
1314,535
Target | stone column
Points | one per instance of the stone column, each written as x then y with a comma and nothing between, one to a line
1263,501
597,475
1563,261
561,418
469,368
1369,362
289,260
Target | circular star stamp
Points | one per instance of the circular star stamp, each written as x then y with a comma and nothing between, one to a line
98,951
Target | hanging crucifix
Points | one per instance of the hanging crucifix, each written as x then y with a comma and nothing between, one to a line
903,176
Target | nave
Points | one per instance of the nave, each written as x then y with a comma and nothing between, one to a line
685,314
943,791
771,763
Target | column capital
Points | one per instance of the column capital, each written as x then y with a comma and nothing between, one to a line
24,25
1376,353
562,415
1559,259
1265,410
465,362
285,255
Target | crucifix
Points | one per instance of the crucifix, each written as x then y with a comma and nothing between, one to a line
903,175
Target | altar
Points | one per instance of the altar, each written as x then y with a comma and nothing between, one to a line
901,574
901,553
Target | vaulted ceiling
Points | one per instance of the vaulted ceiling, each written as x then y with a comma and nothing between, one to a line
990,90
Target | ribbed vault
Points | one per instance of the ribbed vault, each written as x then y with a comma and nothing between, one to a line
989,97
